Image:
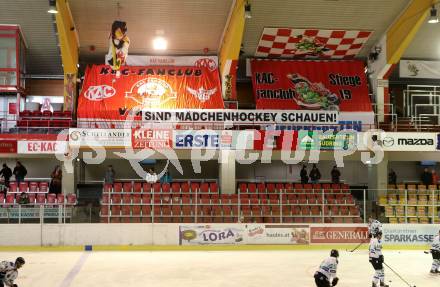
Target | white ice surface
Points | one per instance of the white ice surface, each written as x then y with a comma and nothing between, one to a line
213,269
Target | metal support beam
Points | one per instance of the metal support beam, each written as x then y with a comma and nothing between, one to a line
230,49
404,29
69,46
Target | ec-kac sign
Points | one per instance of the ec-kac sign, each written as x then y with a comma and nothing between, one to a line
42,147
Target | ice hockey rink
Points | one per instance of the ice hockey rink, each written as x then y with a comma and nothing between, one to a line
211,268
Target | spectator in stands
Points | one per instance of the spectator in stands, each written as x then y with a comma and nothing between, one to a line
6,173
426,177
19,172
109,177
55,183
336,174
166,178
315,174
303,175
392,177
434,177
24,198
151,176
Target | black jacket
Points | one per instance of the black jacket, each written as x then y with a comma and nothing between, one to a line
6,172
20,171
315,174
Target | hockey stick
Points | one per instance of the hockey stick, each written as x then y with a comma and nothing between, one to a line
397,274
427,252
354,249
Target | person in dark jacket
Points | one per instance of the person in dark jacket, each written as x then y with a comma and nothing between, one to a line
55,183
19,172
336,174
6,173
303,175
315,174
392,178
426,177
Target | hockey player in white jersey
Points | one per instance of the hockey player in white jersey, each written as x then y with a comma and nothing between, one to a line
374,226
326,274
8,272
377,260
435,251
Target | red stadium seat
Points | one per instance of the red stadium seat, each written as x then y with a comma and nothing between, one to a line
2,198
31,198
185,187
137,187
41,198
71,199
23,187
126,199
261,187
270,187
33,186
44,187
156,187
61,199
51,198
146,187
213,187
204,187
10,199
47,114
242,188
127,187
166,188
12,186
117,187
195,186
146,198
175,187
279,187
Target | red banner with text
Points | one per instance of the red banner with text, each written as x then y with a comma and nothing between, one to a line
310,85
106,96
339,234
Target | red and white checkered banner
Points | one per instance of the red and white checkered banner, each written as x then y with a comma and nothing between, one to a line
311,43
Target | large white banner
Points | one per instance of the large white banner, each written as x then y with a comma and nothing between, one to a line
241,116
277,234
409,234
211,234
408,141
210,139
211,62
419,69
113,138
41,147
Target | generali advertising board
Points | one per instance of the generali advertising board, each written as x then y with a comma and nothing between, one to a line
339,234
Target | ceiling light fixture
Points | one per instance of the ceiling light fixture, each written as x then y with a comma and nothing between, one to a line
247,11
52,7
433,19
160,43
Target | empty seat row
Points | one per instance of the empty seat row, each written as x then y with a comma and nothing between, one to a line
44,123
39,198
291,187
216,199
227,211
32,186
45,114
157,187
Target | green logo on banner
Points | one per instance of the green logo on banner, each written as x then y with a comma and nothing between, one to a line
309,140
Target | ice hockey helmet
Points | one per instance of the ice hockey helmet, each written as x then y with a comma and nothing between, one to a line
20,260
334,253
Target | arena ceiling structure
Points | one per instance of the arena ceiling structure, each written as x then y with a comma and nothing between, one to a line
194,27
